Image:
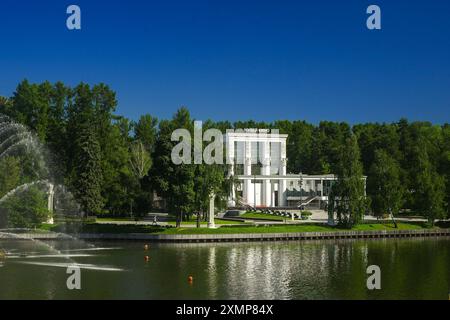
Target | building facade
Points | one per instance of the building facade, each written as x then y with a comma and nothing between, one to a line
257,161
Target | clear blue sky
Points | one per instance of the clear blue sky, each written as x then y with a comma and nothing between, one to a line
239,60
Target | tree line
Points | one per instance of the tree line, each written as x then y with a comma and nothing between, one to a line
113,164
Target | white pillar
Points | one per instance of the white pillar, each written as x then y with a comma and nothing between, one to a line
211,223
267,193
282,184
248,194
230,162
229,141
50,203
232,195
282,193
265,161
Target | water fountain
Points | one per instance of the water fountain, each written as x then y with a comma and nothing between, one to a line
16,140
22,245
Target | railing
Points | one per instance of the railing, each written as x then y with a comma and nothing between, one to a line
307,201
298,193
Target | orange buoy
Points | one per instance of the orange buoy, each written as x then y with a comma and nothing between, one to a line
190,279
146,258
146,247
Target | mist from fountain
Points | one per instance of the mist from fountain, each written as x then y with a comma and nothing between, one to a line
17,141
22,188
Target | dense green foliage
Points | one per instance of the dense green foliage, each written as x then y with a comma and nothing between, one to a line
240,228
113,165
28,207
9,174
349,189
384,185
27,211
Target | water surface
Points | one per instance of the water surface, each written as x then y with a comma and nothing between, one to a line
411,269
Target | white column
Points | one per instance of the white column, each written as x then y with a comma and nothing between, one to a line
211,223
267,193
248,194
272,195
265,161
282,184
230,149
51,200
282,193
230,162
232,195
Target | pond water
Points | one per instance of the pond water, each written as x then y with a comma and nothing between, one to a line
410,269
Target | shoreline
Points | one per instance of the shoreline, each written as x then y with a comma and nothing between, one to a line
244,237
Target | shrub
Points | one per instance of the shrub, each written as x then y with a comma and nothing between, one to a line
25,210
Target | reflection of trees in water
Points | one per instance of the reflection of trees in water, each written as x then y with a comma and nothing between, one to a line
273,270
318,269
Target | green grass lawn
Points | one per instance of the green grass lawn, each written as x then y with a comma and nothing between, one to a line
283,228
114,219
171,220
265,216
106,228
290,228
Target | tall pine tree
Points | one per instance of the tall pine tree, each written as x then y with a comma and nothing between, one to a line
89,178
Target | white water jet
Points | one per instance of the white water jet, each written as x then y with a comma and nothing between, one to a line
27,142
51,202
16,137
79,265
20,136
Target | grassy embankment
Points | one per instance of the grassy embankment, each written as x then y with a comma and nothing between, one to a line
171,220
129,228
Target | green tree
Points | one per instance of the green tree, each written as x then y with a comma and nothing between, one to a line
351,202
56,130
373,137
9,174
445,163
140,161
430,188
5,105
119,184
385,189
88,180
174,182
25,210
209,181
145,131
299,144
31,106
143,145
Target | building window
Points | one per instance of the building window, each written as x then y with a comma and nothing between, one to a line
256,169
238,169
275,150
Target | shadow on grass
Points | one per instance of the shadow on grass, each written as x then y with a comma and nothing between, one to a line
149,229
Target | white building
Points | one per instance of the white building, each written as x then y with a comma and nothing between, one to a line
258,162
